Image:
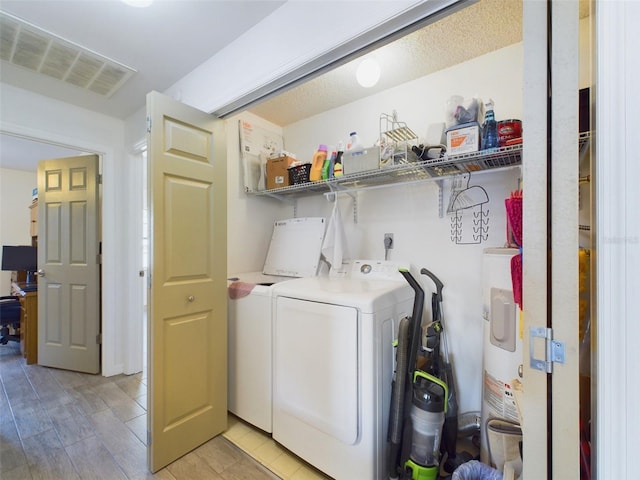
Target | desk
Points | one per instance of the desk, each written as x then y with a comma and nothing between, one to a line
28,319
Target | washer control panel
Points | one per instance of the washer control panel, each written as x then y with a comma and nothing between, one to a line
376,269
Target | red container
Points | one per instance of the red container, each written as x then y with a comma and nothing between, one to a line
508,130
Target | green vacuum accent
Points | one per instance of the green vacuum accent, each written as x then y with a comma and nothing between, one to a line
418,472
436,380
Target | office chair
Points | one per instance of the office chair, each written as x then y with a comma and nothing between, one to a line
9,317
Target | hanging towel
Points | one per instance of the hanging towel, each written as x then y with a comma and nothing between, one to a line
239,289
516,279
334,245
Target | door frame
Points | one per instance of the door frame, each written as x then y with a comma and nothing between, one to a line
133,347
112,319
617,242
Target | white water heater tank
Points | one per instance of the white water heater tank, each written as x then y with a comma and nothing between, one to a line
502,343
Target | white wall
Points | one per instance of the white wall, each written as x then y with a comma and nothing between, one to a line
249,218
410,212
38,117
15,197
281,43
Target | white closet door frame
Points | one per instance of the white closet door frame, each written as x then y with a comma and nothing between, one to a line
534,174
617,239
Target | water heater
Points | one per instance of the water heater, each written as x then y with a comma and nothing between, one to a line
502,343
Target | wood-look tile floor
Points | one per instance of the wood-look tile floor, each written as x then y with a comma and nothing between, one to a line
61,425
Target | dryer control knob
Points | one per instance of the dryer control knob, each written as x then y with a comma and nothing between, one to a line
366,268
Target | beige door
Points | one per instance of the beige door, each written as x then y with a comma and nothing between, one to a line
68,263
187,403
550,251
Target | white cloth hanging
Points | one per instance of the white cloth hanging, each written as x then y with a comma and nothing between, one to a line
334,245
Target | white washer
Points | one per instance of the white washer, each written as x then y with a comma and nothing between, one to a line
333,366
294,252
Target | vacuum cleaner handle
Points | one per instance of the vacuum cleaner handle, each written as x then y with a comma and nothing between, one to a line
436,280
416,319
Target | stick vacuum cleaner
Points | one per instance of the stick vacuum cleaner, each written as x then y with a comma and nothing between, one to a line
443,369
424,403
418,404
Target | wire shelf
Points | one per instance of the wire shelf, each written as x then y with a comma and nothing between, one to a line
432,169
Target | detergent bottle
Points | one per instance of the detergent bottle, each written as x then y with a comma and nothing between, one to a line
318,162
355,145
337,162
327,168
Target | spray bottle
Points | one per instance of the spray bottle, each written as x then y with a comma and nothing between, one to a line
490,127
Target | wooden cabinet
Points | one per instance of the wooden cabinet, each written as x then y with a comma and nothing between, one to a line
28,320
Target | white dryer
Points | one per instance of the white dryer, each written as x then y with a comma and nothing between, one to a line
294,252
333,366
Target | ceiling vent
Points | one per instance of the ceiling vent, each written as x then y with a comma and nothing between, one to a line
30,47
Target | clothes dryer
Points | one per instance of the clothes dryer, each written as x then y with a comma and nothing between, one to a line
333,366
294,252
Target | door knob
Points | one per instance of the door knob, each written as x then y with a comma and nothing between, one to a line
191,298
41,273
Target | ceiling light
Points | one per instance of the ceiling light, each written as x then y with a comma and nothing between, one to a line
368,72
138,3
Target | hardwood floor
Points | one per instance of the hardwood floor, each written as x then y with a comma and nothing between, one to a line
61,425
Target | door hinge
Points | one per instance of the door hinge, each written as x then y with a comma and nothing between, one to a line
99,259
99,339
99,179
148,438
148,124
148,280
554,349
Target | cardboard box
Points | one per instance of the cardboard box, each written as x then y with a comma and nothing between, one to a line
277,174
463,138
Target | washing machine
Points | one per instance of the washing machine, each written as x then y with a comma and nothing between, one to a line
333,366
294,251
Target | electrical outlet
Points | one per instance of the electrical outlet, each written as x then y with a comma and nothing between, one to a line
388,241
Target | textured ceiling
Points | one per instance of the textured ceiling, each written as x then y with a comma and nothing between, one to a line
473,31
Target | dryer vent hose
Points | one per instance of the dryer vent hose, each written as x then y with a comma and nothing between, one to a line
469,424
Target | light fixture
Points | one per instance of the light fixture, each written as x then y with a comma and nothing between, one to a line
138,3
368,72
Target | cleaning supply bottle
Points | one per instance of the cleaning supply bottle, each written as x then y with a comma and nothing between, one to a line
327,168
490,128
337,162
355,145
318,162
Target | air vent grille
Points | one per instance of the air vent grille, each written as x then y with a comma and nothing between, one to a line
30,47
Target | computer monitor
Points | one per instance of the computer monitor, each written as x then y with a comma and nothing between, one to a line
20,258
